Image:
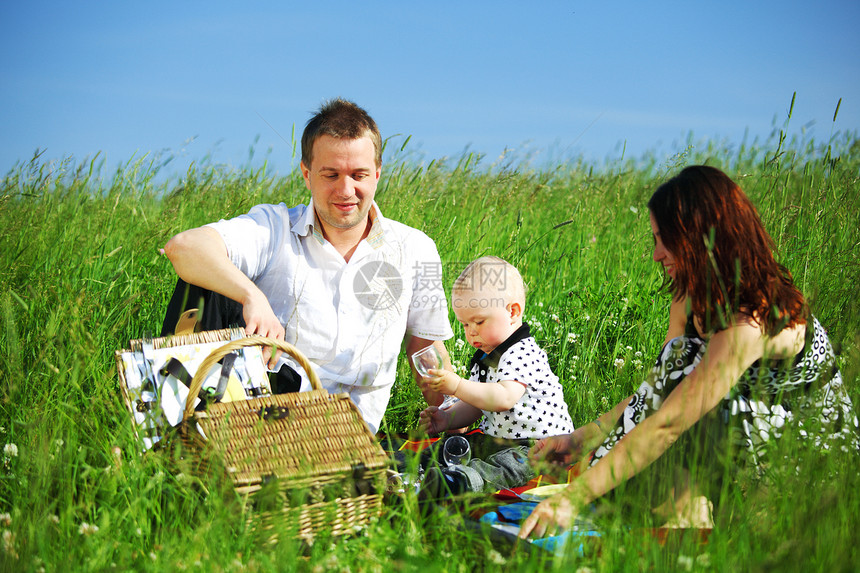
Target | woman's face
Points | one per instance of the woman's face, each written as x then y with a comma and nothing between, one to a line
661,253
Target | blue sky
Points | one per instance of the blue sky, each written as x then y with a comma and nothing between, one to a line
548,80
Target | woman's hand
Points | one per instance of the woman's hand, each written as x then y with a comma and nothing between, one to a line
443,381
558,450
550,516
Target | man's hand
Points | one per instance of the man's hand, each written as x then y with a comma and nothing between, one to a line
260,319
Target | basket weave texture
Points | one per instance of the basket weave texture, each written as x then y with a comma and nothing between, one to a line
307,460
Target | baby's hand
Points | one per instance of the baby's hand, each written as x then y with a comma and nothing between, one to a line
443,381
433,420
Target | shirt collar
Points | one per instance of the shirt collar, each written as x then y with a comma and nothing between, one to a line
308,224
486,361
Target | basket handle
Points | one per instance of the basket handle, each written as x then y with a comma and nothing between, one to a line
220,352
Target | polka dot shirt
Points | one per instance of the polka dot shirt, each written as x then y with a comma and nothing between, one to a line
541,411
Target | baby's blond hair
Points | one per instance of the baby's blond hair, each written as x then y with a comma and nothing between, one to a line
492,274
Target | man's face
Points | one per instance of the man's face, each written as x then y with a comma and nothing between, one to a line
342,180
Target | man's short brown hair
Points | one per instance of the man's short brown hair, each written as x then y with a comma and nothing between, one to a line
340,119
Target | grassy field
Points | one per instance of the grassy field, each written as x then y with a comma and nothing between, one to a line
81,275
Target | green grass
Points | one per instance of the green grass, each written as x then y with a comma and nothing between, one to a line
81,275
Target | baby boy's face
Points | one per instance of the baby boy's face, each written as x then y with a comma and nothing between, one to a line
486,318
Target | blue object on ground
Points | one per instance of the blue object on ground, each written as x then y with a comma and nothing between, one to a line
508,517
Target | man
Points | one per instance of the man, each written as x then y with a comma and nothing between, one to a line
335,278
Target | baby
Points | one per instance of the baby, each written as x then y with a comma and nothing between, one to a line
511,387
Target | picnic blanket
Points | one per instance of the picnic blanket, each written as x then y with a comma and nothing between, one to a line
502,522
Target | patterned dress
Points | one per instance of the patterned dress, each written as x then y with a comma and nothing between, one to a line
806,390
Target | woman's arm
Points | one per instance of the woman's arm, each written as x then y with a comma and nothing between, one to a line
677,319
571,448
730,352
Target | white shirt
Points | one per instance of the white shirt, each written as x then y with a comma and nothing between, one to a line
348,318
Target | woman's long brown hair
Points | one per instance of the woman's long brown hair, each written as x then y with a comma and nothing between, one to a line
724,261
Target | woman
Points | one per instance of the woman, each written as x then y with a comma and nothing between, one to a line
741,357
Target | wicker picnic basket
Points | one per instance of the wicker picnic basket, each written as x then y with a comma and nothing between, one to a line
306,461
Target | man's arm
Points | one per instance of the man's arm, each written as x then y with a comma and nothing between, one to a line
413,345
199,257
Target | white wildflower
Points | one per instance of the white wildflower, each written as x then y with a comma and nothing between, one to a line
629,348
637,364
5,519
703,560
555,317
685,563
10,450
8,543
495,557
87,529
572,337
634,210
586,318
55,519
619,363
638,354
540,305
459,344
57,447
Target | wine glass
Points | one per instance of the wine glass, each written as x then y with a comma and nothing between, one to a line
456,451
426,359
